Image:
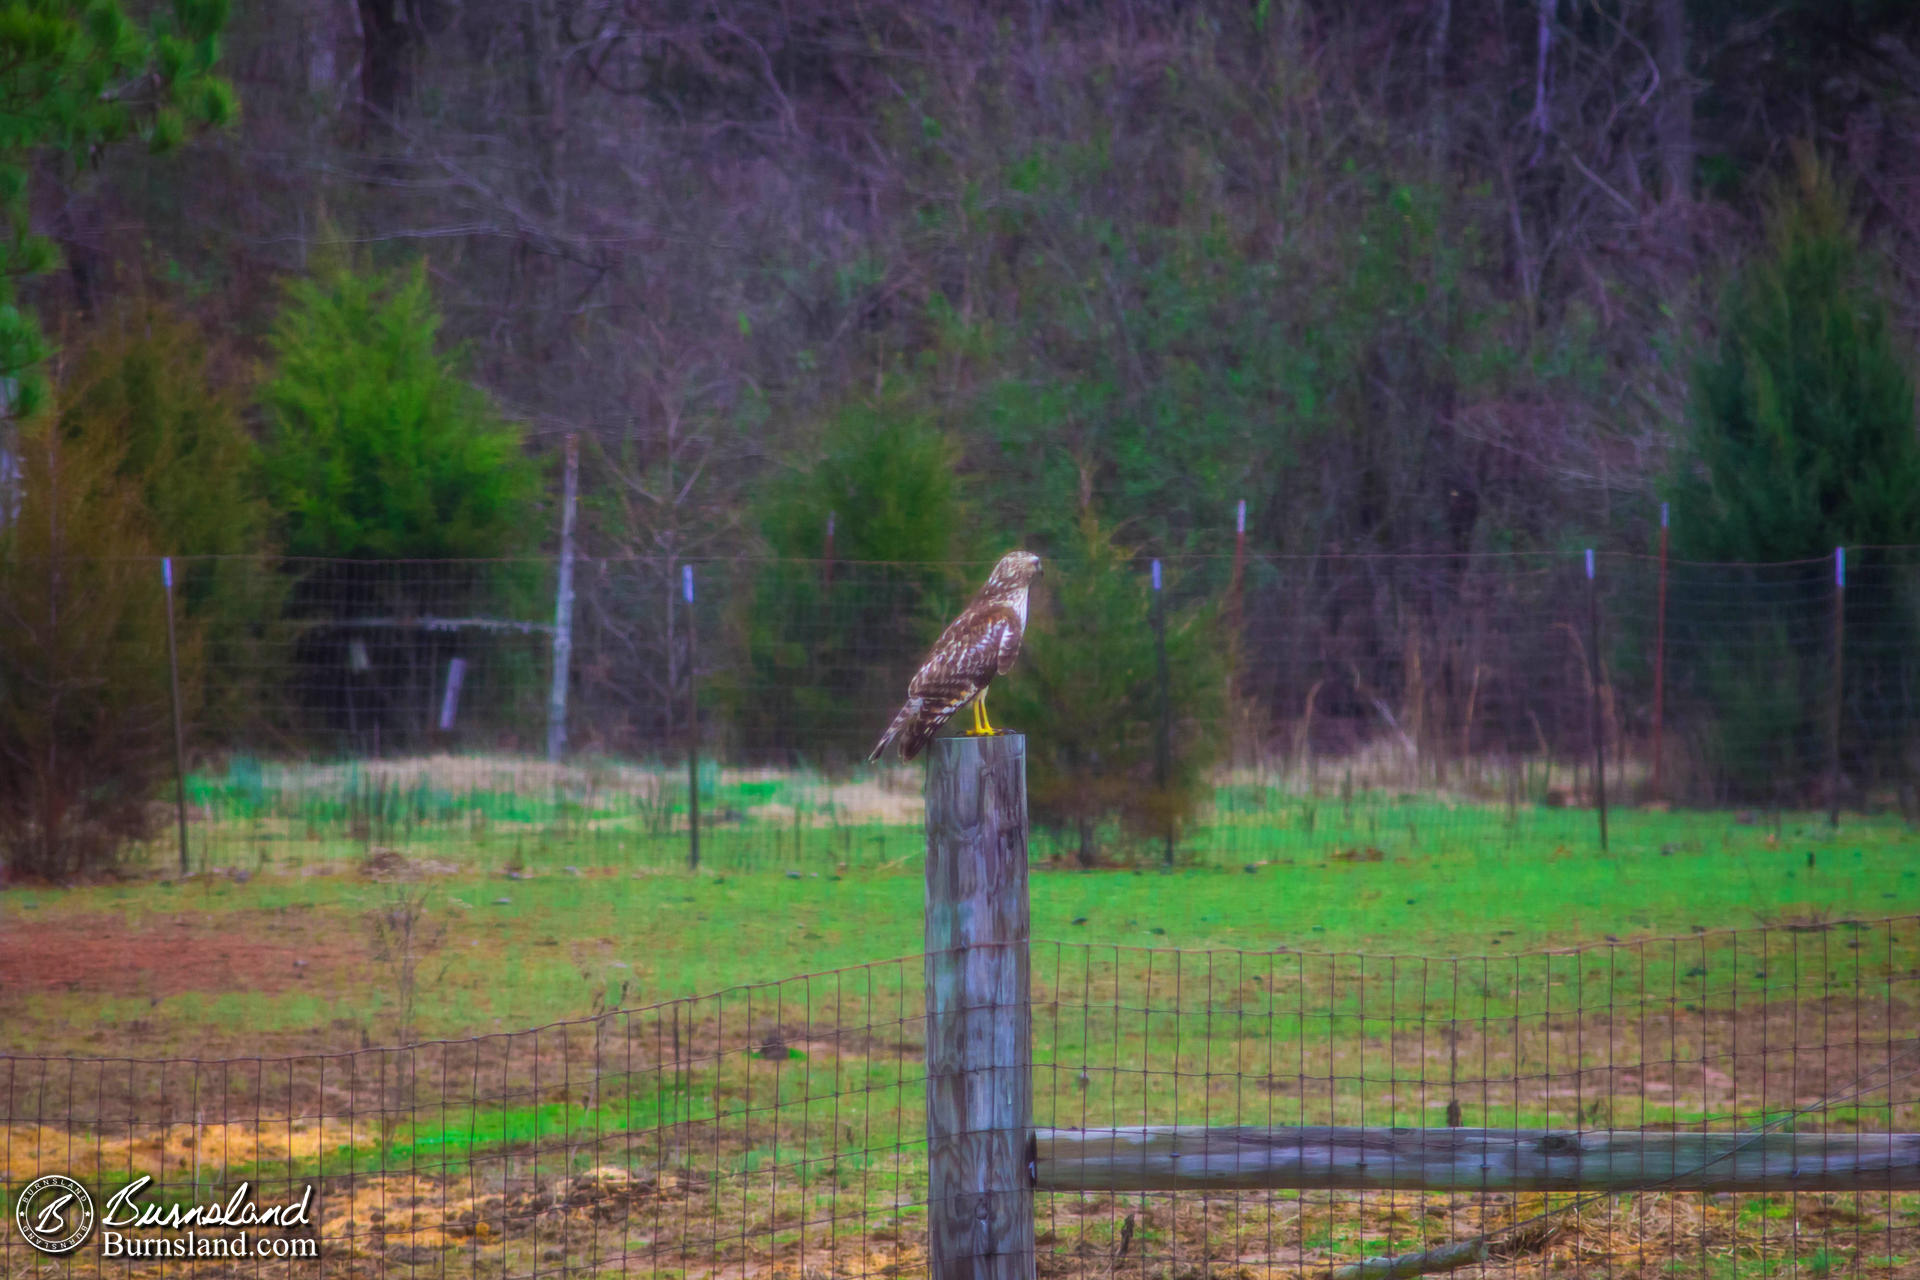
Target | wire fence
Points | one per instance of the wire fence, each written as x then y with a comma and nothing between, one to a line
779,1130
1357,702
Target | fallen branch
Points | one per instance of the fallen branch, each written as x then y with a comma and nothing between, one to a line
1461,1253
1198,1158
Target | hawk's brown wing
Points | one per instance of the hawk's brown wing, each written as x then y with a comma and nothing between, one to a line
979,644
1012,632
975,647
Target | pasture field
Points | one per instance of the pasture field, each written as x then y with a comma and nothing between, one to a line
701,1109
491,811
278,953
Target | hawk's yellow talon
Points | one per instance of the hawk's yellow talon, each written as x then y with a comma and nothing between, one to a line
981,726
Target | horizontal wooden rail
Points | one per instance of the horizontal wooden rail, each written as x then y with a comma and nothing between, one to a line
1195,1158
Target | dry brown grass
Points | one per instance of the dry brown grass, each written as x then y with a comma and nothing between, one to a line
607,1220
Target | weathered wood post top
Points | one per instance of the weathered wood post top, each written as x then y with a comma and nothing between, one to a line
979,1025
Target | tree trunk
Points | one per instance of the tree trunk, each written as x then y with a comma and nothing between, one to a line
1673,126
1437,103
389,36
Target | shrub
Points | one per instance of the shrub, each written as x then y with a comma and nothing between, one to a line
147,386
84,714
1086,691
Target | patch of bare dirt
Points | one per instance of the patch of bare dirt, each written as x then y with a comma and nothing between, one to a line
97,955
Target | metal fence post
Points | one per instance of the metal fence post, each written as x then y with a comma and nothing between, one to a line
563,610
826,554
179,729
1236,630
1598,726
1839,685
693,724
1163,734
1237,583
1660,665
979,1026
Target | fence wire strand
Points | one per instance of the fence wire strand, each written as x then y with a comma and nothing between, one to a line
1378,704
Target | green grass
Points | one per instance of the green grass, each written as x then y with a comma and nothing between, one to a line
531,929
493,812
569,938
1200,994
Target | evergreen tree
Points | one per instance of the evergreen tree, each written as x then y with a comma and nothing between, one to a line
80,74
1803,419
379,449
1802,439
377,446
1087,694
827,640
146,386
148,379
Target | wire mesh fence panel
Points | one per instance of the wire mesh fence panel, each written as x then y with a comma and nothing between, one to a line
769,1126
1374,706
778,1129
1813,1030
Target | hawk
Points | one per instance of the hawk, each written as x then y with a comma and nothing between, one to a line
976,646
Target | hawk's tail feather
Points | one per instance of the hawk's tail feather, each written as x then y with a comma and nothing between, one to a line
919,734
908,712
915,724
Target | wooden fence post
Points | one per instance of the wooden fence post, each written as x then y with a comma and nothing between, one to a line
979,1026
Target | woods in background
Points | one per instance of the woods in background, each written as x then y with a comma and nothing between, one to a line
917,282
